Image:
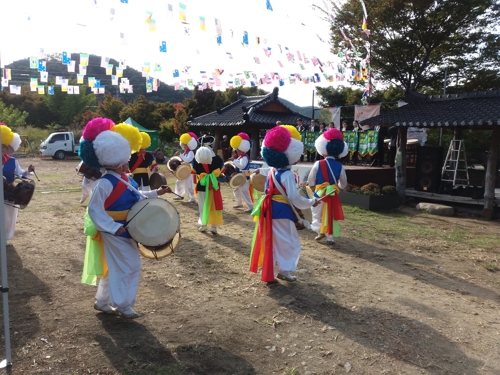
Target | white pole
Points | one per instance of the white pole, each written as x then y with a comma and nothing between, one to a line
4,288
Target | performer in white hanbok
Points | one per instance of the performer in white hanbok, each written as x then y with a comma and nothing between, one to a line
88,179
241,143
112,197
275,237
188,142
11,170
326,178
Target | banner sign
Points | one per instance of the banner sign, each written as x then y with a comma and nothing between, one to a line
351,138
335,111
308,138
368,143
363,112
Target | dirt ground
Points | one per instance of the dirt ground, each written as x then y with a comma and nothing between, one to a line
400,293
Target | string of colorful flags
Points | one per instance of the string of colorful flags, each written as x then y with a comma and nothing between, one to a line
184,77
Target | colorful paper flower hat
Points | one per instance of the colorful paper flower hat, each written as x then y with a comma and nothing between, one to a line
112,149
7,134
104,144
146,140
16,142
86,151
240,142
332,143
131,134
282,146
190,139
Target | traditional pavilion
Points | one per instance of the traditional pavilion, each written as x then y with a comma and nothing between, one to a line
476,110
249,114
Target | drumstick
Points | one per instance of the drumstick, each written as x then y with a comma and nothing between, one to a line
324,196
128,221
164,186
36,176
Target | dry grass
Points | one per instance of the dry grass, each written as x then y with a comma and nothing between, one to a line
400,293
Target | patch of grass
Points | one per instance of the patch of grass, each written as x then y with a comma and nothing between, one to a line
485,241
492,267
293,371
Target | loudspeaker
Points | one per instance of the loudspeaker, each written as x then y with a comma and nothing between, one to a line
428,169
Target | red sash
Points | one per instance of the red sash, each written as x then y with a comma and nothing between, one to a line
332,202
265,228
5,159
118,190
139,160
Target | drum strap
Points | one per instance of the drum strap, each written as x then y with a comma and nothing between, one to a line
5,159
324,164
138,162
118,190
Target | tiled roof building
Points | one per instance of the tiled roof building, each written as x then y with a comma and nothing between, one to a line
249,114
477,109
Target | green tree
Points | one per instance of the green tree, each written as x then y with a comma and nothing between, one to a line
144,112
12,116
165,110
39,115
331,96
167,132
203,102
110,108
69,108
180,119
412,41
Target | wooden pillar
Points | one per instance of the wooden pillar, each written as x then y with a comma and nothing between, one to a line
218,137
491,174
254,136
401,162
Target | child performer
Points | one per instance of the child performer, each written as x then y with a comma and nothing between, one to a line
112,197
11,169
188,142
327,177
208,167
142,163
275,237
241,143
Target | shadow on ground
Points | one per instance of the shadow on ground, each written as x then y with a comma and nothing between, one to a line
385,332
133,350
23,286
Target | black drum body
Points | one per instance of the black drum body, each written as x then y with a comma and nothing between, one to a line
19,192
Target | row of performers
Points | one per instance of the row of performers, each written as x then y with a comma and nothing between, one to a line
275,240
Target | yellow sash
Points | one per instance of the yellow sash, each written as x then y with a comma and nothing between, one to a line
140,170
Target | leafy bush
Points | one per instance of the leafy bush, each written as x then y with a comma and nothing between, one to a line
370,189
389,190
350,188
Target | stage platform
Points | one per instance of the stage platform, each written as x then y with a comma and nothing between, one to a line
356,174
445,198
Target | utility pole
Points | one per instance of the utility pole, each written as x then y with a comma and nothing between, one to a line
312,108
444,93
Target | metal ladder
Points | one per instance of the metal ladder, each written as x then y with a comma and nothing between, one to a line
455,167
